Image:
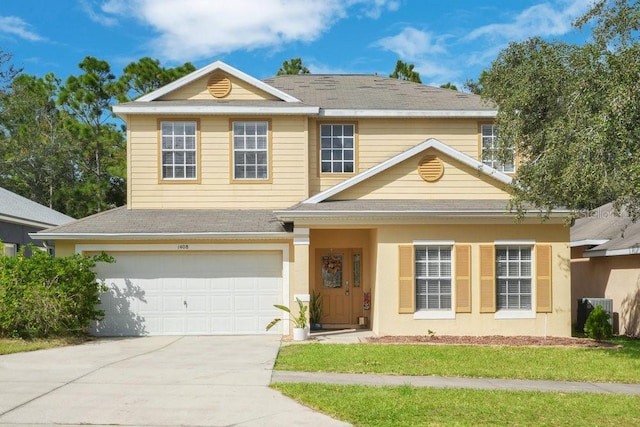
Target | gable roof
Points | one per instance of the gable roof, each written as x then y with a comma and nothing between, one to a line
608,233
217,65
320,95
375,96
380,167
20,210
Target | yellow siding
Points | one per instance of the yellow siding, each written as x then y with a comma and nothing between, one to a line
381,139
404,182
215,190
197,89
389,322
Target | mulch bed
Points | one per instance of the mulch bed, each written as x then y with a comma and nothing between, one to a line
494,340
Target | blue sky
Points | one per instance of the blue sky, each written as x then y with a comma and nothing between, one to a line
447,40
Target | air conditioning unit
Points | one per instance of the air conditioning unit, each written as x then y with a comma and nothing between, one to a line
586,306
9,249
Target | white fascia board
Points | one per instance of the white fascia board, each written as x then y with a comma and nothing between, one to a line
217,65
156,236
297,214
339,112
210,109
380,167
588,242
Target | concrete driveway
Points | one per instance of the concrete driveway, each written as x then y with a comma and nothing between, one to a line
153,381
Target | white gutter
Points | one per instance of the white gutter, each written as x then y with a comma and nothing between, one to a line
587,242
286,215
157,236
339,112
154,108
611,252
22,221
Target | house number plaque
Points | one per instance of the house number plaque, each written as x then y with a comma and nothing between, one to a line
183,247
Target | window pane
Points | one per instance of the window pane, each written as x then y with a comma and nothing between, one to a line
190,172
325,143
190,142
337,154
325,166
337,130
348,143
167,172
262,172
348,167
179,172
325,130
349,130
337,167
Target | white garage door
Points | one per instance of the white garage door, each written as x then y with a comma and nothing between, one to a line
190,293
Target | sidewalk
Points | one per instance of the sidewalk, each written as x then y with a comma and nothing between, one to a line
356,336
454,382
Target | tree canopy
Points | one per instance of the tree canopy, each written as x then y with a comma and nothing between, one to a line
404,71
60,144
294,66
572,113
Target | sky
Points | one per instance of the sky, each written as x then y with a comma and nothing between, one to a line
447,40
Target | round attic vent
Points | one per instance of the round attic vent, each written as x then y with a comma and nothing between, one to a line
219,85
430,168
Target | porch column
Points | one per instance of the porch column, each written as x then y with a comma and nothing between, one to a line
300,285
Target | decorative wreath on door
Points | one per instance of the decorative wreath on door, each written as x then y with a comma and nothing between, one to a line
332,265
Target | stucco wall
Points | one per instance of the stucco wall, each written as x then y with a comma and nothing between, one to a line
389,322
615,277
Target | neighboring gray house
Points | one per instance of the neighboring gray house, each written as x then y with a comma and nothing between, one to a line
605,263
20,216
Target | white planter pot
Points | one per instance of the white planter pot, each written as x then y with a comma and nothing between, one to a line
299,334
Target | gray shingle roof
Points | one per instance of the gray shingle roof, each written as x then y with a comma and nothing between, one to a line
20,209
172,221
603,224
374,92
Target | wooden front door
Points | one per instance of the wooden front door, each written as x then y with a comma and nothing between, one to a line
339,281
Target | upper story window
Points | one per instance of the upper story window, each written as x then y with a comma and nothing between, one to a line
251,150
489,134
513,278
433,277
337,148
179,150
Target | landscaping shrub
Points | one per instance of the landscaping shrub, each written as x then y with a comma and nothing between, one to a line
43,296
597,326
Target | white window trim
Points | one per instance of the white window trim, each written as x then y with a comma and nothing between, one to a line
353,149
185,150
438,314
493,162
503,314
256,150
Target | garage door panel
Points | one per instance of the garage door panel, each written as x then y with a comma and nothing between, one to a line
225,293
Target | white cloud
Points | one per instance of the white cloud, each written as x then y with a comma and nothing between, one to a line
412,44
539,20
194,29
17,27
102,19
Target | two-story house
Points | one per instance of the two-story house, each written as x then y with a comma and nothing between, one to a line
374,192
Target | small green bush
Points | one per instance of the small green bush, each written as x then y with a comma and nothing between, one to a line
597,326
43,296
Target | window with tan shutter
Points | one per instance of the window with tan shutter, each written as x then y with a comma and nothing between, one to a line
513,278
463,278
433,277
543,279
406,294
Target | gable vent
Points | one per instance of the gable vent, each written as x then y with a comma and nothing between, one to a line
219,85
430,168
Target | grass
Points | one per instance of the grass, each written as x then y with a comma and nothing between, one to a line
8,346
536,363
410,406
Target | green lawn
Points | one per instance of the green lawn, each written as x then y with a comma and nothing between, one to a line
410,406
539,363
8,346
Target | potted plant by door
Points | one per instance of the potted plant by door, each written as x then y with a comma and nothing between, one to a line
315,310
299,321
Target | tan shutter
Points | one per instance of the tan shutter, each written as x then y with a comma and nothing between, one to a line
487,279
543,279
406,296
463,278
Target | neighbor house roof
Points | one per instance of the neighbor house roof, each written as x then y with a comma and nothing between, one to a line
608,232
334,95
20,210
122,223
